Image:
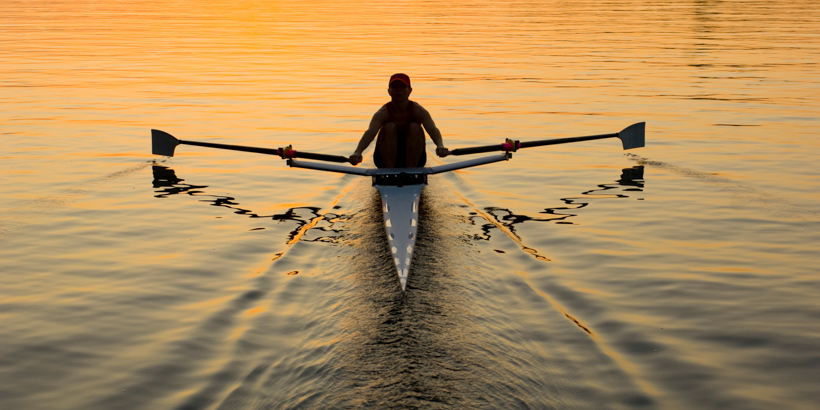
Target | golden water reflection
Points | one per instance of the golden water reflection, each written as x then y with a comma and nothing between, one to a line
697,293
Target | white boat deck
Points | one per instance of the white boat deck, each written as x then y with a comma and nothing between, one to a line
400,205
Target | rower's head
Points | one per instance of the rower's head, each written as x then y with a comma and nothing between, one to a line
399,87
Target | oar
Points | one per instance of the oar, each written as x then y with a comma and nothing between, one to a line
163,143
631,137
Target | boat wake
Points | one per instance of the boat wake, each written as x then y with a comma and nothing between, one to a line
337,332
775,206
16,218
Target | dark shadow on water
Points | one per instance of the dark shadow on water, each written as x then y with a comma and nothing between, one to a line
631,181
169,184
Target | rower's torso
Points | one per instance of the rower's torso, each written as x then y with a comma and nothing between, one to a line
402,117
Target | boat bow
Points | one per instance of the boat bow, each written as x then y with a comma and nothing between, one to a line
400,207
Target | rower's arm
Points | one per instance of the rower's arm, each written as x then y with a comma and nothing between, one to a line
372,130
432,130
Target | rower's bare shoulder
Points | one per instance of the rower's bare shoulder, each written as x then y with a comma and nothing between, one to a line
382,113
419,111
380,117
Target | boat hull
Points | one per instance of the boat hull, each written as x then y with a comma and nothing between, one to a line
400,207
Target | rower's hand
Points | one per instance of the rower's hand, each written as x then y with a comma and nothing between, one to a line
442,151
355,159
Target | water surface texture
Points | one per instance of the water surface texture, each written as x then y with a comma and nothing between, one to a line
682,275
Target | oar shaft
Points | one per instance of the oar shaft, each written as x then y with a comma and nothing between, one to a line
318,157
527,144
269,151
554,141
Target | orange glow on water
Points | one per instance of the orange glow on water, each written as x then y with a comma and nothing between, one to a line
681,271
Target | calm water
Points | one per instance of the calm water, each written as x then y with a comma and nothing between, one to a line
678,276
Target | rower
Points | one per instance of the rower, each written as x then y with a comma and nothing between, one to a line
398,124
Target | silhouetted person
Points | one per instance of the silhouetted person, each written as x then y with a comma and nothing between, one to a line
398,124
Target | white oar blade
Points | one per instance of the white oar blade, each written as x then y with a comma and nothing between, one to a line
633,135
163,143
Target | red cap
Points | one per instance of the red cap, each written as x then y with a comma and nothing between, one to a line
400,77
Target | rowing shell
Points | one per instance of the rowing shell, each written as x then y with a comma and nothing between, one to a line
400,188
